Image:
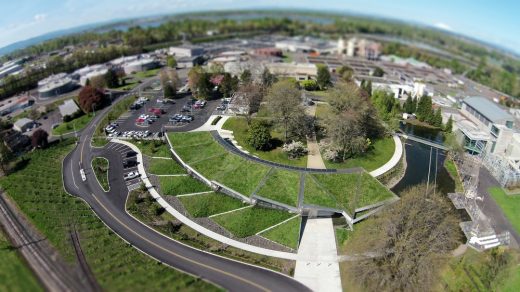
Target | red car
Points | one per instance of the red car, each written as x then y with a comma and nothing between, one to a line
156,111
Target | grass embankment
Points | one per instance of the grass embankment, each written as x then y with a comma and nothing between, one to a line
76,124
181,185
452,170
282,186
249,221
205,205
381,152
116,265
100,166
348,191
510,204
145,208
200,151
161,166
287,233
240,131
15,276
153,148
99,138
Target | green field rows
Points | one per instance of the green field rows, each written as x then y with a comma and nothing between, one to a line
116,265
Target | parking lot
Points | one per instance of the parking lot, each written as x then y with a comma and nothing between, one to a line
128,157
155,116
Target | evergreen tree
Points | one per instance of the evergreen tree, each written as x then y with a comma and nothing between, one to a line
111,79
449,125
437,118
414,105
323,77
171,62
408,106
424,109
246,76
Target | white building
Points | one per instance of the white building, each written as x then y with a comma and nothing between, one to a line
307,45
362,48
55,85
89,72
68,108
186,51
299,71
139,65
23,125
10,68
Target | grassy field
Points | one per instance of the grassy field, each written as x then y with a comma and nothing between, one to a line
287,233
100,166
343,188
15,276
282,186
510,204
146,74
205,205
316,195
116,265
146,210
67,127
165,166
240,128
153,148
322,110
249,221
452,170
201,152
180,185
380,154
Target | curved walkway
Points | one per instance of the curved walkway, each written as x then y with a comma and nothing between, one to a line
398,153
195,226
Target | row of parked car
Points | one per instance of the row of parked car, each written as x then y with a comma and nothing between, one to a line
178,118
139,103
130,163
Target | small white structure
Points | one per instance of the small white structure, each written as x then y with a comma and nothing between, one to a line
140,65
23,124
186,51
68,108
299,71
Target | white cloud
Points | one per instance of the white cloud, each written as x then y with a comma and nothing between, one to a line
40,17
443,25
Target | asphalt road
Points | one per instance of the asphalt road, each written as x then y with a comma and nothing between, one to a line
110,207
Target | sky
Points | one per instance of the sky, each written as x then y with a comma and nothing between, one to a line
496,22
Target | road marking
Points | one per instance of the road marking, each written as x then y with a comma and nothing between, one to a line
73,179
178,255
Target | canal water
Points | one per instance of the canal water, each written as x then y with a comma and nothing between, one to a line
425,164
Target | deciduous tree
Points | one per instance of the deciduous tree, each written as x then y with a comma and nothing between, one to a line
39,139
259,135
91,99
323,76
284,102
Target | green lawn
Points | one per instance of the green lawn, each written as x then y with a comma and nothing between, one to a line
100,166
239,127
116,265
286,234
510,204
343,188
380,154
249,221
153,148
165,166
15,276
200,151
180,185
452,170
78,124
282,186
146,74
316,195
205,205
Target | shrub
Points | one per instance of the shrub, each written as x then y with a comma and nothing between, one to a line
309,85
259,135
67,118
295,149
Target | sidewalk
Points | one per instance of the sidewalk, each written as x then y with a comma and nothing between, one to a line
314,159
398,153
209,127
317,264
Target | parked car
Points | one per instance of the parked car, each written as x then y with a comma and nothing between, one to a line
186,108
187,118
131,175
131,153
129,163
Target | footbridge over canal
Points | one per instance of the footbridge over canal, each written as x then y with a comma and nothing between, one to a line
423,141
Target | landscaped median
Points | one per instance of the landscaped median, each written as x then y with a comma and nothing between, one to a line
100,166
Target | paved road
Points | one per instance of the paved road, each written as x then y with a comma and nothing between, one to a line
110,207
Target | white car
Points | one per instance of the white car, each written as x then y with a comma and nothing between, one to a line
131,175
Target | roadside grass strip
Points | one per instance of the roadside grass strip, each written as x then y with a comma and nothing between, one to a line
100,166
315,194
282,186
173,186
286,233
116,265
510,204
165,166
353,190
249,221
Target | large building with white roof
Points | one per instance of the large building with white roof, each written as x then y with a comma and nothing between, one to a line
55,85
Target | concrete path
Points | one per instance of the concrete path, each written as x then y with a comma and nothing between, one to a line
209,127
398,153
314,159
317,264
